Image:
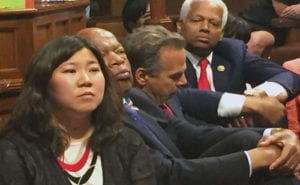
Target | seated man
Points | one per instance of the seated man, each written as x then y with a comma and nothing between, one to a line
224,151
223,64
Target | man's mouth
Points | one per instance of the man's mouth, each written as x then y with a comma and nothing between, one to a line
122,75
202,39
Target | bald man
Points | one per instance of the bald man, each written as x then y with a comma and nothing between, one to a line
113,54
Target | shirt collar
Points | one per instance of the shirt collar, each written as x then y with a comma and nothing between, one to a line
195,58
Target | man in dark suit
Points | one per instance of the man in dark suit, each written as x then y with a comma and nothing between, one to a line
230,67
186,154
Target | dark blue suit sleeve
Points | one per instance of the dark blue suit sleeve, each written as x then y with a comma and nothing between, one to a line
201,104
211,170
243,67
258,70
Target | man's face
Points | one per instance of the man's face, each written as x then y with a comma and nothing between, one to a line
202,26
116,60
166,83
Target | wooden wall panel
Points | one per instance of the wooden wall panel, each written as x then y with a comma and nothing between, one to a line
173,7
12,50
22,32
9,51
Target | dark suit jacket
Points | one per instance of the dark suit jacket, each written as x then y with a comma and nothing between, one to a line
182,159
241,67
198,107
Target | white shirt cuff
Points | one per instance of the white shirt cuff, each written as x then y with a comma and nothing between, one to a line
271,88
267,132
249,162
231,105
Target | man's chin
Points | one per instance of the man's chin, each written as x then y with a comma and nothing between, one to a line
125,86
203,45
200,48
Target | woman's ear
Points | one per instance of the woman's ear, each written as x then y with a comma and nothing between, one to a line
141,77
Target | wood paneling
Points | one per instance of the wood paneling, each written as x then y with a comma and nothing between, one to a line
107,14
236,6
173,7
159,15
22,32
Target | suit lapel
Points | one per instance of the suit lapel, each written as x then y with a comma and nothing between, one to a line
228,66
190,75
157,120
176,107
144,102
221,73
165,145
154,125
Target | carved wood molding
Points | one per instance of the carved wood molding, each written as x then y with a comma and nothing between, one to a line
10,85
157,10
159,16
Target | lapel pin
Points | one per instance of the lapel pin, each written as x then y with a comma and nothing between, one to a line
221,68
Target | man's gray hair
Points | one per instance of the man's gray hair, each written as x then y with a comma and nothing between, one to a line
186,5
143,45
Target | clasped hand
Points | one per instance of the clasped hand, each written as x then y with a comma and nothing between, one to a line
289,160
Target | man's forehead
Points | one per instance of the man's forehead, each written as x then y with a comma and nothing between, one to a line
108,41
199,10
106,34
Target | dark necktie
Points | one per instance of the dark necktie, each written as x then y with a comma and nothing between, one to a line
203,82
167,110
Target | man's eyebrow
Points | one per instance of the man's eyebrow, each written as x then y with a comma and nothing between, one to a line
176,75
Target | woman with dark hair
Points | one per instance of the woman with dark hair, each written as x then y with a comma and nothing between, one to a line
66,127
135,13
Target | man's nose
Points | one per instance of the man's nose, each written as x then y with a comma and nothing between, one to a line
204,25
182,81
116,59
